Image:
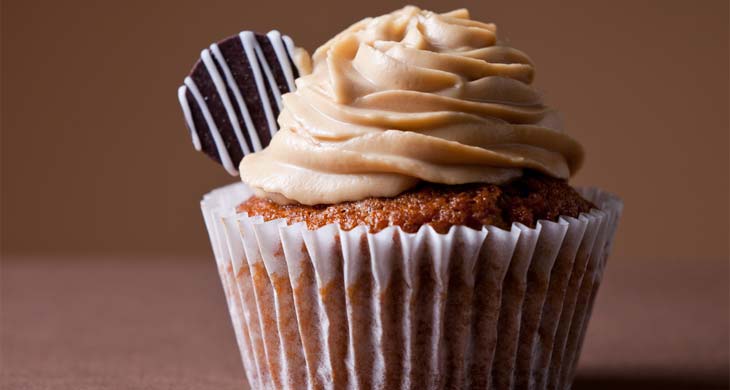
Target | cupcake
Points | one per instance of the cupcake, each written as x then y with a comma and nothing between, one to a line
410,224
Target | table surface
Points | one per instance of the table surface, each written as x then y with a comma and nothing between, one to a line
146,322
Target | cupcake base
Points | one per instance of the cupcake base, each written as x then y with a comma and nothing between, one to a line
471,309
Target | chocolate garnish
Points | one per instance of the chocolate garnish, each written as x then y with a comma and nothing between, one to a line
232,96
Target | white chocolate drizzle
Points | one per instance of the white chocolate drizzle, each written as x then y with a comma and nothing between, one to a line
252,134
281,54
220,146
188,117
225,85
221,89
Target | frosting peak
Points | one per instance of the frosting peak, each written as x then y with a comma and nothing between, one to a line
409,96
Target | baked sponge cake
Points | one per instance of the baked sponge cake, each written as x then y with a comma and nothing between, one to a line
524,200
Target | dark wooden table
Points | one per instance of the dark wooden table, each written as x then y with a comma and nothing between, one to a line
144,322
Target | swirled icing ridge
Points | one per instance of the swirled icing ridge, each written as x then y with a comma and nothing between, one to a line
408,96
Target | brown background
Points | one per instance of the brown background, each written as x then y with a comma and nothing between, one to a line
97,164
96,156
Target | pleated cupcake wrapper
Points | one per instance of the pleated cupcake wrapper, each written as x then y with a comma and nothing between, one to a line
469,309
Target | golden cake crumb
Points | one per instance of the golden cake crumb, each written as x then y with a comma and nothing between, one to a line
525,200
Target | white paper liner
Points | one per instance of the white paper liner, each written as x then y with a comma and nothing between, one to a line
334,309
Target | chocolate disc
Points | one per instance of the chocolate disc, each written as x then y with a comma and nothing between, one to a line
232,96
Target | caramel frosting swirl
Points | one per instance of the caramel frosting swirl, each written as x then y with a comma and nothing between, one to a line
408,96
